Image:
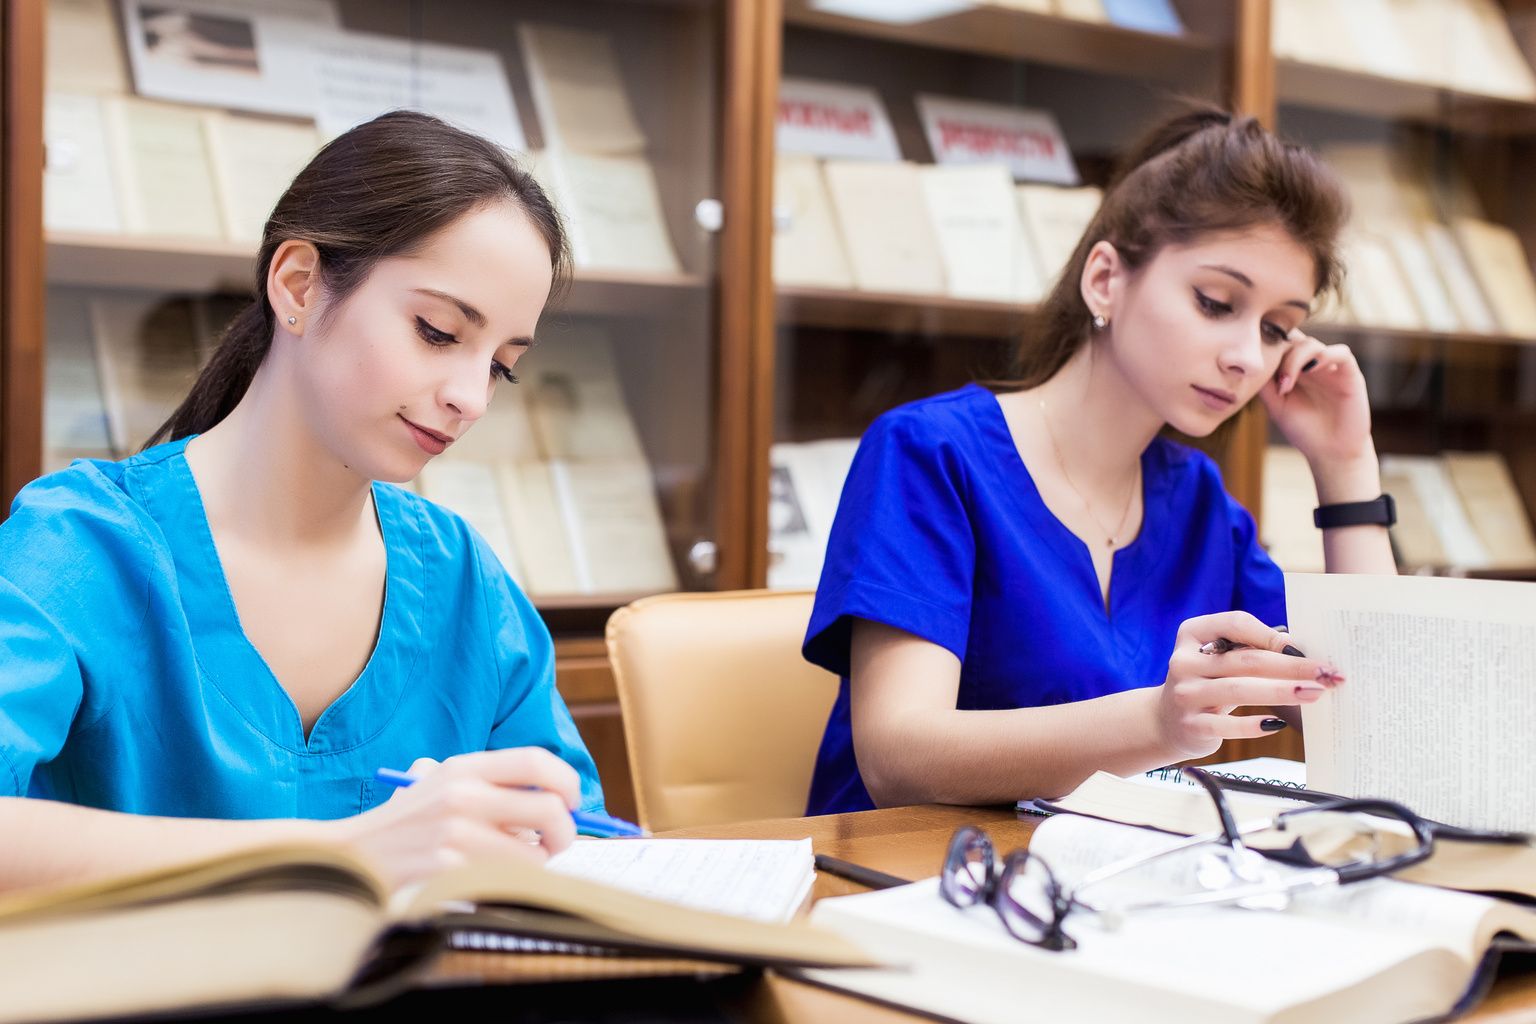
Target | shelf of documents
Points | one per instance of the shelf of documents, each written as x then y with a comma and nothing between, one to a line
843,309
192,265
1185,61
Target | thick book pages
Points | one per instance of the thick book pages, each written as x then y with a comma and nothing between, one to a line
585,518
147,357
254,160
1433,665
160,157
1493,503
976,219
83,52
470,490
884,223
1415,541
612,208
1430,484
1380,952
1055,219
578,91
1289,496
807,249
1498,259
298,923
1460,283
538,527
1375,288
1423,276
79,193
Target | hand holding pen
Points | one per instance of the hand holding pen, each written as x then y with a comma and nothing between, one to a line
483,805
1230,660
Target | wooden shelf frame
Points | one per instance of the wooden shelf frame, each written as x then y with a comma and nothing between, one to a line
1176,62
1341,90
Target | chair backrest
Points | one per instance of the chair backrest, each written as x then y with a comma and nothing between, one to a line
722,715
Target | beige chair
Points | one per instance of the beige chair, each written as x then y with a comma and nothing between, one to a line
722,715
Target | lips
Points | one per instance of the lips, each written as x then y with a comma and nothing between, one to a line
1216,398
430,441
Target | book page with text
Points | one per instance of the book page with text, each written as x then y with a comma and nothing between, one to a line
1436,711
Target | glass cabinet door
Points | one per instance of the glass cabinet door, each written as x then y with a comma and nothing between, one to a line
1428,112
934,172
172,127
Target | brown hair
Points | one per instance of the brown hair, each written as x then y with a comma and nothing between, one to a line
1200,171
377,191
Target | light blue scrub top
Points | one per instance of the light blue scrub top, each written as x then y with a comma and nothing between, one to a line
127,683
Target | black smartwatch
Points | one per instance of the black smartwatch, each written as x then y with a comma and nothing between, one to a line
1380,511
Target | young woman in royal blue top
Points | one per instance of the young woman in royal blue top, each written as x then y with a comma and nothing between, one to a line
244,623
1020,579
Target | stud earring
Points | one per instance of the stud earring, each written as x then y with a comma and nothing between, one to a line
1100,321
293,319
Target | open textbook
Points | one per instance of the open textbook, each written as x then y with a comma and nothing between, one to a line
1376,951
314,924
1439,711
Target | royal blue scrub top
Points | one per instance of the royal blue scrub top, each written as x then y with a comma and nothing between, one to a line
941,533
127,683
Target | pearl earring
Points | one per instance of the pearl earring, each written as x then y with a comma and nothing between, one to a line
293,319
1100,321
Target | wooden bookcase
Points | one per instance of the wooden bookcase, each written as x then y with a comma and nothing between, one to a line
770,364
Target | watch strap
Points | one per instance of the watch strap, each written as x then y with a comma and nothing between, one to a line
1380,511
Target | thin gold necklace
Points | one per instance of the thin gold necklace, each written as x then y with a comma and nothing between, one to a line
1111,539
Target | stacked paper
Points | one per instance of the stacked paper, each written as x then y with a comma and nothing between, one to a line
594,158
1464,45
555,479
1410,269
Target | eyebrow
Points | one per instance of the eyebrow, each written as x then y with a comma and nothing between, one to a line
1247,282
471,314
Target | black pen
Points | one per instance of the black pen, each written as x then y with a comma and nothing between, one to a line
867,877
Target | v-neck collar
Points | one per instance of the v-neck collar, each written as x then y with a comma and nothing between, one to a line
1142,551
229,660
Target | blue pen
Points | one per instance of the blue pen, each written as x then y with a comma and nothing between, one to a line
600,825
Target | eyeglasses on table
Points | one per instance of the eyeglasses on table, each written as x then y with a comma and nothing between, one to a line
1335,841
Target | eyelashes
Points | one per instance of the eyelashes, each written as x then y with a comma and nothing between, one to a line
442,339
1214,309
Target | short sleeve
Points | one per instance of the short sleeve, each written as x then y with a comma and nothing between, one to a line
531,713
1259,585
902,550
40,689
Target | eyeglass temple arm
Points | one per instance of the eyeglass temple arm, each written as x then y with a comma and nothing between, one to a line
1228,823
1135,860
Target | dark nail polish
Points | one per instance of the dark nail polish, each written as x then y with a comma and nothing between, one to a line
1310,365
1293,652
1272,724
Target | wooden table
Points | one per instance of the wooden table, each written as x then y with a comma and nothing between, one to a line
909,842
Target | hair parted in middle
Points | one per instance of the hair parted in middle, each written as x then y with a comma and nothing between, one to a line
1200,171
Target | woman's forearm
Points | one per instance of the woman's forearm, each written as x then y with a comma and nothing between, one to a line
989,757
49,843
1354,549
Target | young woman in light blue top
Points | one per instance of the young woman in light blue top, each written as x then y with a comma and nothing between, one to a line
244,623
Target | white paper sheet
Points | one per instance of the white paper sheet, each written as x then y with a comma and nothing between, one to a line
762,879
